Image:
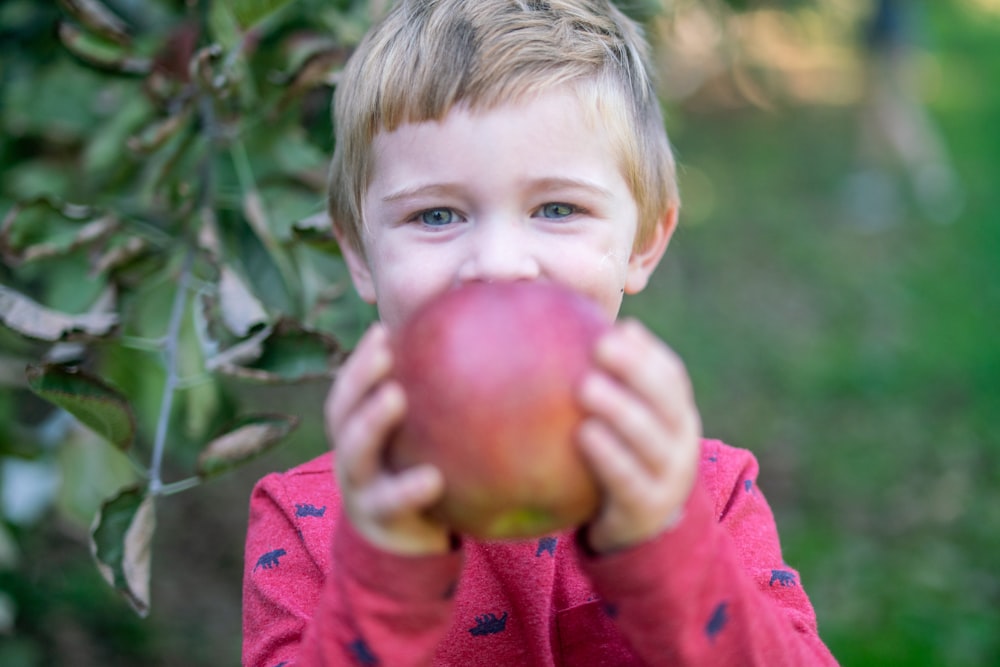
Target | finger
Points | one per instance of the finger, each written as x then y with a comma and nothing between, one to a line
365,432
629,417
367,365
649,367
619,473
409,491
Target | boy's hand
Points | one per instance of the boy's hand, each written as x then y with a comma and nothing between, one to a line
641,438
363,408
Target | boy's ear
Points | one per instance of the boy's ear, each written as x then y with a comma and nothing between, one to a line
357,264
645,259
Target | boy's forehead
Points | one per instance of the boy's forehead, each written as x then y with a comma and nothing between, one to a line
572,95
547,139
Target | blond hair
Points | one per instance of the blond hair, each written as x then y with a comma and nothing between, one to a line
429,55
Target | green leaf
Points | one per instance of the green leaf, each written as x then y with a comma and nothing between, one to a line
30,318
288,352
287,204
12,371
102,53
120,252
294,155
301,47
317,232
93,402
120,542
249,437
56,100
264,263
293,353
103,156
42,227
228,359
223,25
90,471
96,16
157,133
317,70
41,177
250,12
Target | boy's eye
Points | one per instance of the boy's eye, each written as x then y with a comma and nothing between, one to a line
557,210
436,217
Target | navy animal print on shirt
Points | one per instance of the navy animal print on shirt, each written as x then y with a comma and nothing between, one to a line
361,653
489,624
304,509
547,544
269,560
717,622
782,577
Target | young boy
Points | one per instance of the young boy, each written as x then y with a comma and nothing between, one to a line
501,140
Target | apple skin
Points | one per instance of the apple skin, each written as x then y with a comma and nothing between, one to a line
490,372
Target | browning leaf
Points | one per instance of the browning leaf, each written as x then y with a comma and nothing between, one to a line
30,318
120,254
289,353
249,437
96,16
93,402
39,228
102,53
316,231
159,132
120,541
241,311
239,354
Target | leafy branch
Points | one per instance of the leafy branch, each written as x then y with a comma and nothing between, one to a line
176,234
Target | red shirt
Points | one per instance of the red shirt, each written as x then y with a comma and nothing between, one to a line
711,590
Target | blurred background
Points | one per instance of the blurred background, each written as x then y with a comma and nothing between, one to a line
834,288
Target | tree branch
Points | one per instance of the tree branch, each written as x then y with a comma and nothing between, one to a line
170,345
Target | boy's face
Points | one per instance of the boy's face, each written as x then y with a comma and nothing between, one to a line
525,191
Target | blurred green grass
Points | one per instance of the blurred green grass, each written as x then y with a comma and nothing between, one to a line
862,367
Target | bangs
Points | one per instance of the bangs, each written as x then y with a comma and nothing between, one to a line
429,56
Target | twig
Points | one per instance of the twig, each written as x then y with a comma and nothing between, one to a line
170,346
143,344
180,485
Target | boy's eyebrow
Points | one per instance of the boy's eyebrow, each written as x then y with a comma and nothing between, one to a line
569,183
432,190
539,184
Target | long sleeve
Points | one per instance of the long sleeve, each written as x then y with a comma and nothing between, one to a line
713,590
309,602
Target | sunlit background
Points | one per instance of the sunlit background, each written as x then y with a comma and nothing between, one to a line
834,289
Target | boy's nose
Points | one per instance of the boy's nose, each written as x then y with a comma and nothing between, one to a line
499,252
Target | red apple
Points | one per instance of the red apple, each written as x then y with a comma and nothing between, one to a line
490,372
